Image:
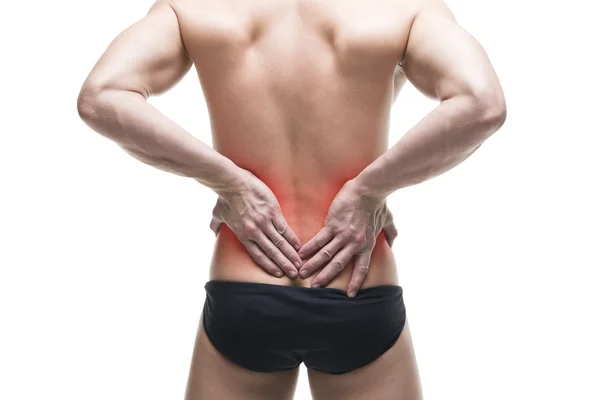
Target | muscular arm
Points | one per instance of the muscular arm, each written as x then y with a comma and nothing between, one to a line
444,62
149,58
146,59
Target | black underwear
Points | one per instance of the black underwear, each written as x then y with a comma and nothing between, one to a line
267,328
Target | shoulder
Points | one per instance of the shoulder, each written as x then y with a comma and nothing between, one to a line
437,8
428,12
162,5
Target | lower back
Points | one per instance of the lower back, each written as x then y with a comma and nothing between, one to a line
231,261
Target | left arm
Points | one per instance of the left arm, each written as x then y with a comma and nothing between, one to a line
149,58
146,59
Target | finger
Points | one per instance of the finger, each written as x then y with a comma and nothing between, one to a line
215,225
261,258
284,230
283,245
390,228
317,242
324,256
390,232
217,220
334,267
361,267
275,254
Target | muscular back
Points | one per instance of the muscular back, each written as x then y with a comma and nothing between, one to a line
299,93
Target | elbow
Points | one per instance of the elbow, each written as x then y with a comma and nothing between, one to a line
491,106
87,102
97,99
494,115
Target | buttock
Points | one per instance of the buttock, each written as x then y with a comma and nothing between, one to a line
267,327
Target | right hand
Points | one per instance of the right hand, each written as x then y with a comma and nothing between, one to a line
254,215
351,228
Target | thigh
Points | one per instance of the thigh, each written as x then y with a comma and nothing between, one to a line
214,377
392,376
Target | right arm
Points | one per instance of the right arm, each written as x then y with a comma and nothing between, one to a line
444,62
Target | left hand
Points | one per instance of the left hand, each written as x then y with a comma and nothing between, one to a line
351,228
252,212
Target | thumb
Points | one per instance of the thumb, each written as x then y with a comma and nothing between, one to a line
389,229
390,232
217,219
215,225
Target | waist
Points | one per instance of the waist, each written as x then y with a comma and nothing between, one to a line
231,261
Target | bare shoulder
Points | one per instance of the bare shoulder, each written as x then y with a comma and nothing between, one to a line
442,59
416,8
433,7
161,3
172,5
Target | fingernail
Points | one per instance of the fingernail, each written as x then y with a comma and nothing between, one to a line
352,294
293,274
303,273
316,285
297,264
279,274
297,246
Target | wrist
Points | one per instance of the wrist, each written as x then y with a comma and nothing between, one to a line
230,180
363,188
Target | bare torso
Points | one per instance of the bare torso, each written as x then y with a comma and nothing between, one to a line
299,93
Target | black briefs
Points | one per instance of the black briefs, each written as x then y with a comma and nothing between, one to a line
266,327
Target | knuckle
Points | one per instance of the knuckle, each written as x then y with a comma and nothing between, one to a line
326,254
281,229
320,241
271,252
260,219
278,242
363,269
346,234
249,226
360,238
338,265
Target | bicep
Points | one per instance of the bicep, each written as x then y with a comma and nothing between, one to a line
442,59
148,57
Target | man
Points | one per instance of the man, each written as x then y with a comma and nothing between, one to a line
299,95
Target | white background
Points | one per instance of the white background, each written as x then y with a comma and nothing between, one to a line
103,258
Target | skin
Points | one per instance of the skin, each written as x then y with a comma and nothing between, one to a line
299,95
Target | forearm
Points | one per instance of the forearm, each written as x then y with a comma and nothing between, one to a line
127,118
441,140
